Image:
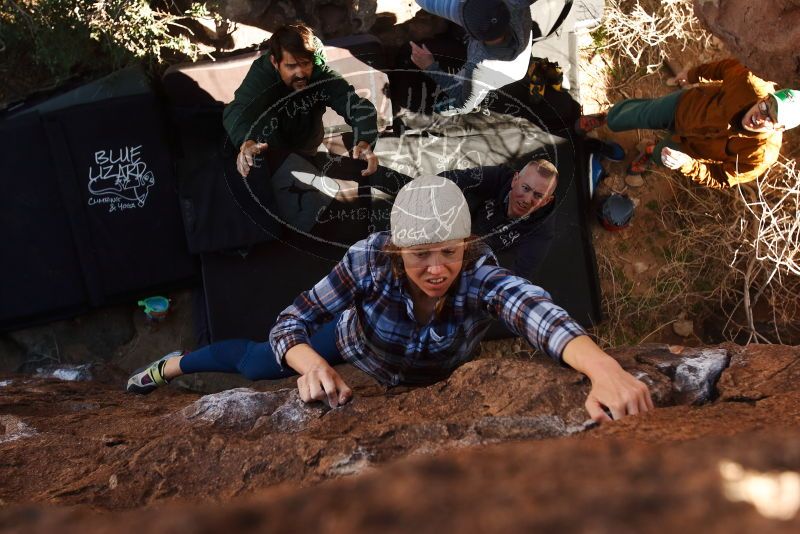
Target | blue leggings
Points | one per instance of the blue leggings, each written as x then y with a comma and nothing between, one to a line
253,360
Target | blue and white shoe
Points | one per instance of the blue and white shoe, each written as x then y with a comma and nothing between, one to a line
598,173
612,151
145,379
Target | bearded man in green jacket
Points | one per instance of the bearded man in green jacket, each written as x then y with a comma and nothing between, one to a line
283,97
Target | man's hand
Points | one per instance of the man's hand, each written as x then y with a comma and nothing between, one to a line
323,383
247,153
421,56
612,387
674,159
681,79
363,151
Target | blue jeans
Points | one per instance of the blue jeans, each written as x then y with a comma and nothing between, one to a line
253,360
447,9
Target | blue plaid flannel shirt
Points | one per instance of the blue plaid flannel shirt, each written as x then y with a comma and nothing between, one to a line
377,331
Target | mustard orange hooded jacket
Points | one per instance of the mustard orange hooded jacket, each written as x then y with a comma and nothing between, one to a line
708,126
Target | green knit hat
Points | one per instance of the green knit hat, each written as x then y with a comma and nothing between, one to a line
788,107
319,52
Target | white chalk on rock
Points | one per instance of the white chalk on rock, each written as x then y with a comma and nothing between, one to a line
697,375
234,408
68,373
13,428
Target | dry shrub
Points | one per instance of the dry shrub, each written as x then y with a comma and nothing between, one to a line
635,313
767,260
732,255
642,31
777,210
70,37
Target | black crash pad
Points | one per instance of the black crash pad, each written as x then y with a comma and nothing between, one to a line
90,208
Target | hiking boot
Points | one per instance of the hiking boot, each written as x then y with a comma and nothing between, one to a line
147,378
587,123
642,161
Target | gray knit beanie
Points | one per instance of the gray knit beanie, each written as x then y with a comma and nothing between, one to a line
429,209
485,20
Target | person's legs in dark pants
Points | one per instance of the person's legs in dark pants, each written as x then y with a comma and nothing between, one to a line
644,113
254,360
384,186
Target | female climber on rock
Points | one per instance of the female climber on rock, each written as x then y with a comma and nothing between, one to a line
409,306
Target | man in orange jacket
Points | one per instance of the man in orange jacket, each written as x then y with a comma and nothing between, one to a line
724,131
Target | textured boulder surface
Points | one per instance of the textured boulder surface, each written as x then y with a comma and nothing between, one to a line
763,34
394,22
330,18
503,444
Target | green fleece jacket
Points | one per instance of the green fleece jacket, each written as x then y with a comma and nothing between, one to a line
264,109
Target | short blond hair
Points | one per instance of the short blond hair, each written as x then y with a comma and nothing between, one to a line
543,167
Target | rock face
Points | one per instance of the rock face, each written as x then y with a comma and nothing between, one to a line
241,409
329,18
763,35
12,429
498,446
760,373
82,372
694,373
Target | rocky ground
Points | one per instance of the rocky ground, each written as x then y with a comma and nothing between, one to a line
504,444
